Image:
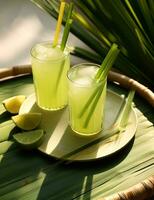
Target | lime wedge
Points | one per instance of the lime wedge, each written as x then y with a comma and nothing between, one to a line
27,121
13,104
29,139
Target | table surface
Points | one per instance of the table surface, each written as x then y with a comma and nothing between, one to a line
35,176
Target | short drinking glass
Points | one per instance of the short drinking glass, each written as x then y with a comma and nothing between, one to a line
49,68
86,99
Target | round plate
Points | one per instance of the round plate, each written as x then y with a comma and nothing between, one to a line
61,142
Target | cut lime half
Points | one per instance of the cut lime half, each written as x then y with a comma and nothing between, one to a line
29,139
12,104
28,121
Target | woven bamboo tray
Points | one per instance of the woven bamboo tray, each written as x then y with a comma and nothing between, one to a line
141,191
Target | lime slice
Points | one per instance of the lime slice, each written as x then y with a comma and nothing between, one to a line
29,139
13,104
27,121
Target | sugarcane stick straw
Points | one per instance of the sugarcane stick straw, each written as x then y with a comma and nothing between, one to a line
64,39
59,22
67,27
100,76
125,114
107,62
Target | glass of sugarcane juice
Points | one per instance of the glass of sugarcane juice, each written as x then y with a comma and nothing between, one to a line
86,99
49,67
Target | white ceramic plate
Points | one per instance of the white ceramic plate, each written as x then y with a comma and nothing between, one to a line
61,142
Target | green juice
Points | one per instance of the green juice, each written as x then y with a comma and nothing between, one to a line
82,87
49,67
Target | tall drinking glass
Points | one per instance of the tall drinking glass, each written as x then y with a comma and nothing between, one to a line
49,68
86,99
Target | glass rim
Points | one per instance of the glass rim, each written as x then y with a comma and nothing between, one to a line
53,60
84,64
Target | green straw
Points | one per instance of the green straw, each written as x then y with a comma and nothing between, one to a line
100,76
67,27
107,63
64,40
126,110
93,106
89,101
